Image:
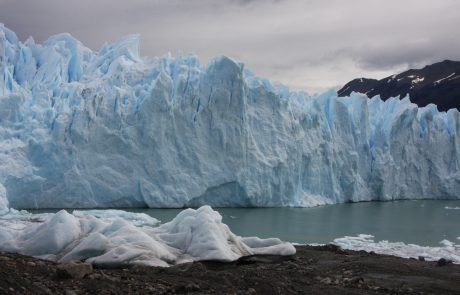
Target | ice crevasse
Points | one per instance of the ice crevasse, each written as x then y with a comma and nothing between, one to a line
86,129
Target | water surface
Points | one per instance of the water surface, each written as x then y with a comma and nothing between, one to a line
423,222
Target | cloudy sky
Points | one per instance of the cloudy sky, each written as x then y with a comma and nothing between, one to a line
305,44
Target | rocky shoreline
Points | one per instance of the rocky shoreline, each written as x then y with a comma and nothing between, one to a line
313,270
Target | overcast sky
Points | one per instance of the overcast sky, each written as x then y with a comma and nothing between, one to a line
310,45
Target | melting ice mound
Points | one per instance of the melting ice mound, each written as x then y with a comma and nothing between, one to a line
80,128
109,238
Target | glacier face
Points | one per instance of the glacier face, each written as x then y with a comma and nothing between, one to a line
80,128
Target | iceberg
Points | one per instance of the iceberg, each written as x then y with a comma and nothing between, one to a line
112,129
111,238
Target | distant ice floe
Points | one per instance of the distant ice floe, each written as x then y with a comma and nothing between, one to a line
114,237
452,208
447,250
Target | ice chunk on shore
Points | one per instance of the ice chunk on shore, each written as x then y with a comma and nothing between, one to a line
447,250
112,238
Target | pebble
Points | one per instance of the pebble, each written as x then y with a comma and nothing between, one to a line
190,287
95,276
443,262
74,270
326,281
347,273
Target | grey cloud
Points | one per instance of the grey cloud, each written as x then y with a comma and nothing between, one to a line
405,54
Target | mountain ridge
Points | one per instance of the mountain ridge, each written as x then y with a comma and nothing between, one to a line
438,83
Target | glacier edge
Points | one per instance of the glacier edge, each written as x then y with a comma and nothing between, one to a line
86,129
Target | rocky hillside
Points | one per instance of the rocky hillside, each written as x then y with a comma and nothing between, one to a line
438,83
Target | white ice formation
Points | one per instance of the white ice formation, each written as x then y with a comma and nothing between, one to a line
85,129
448,250
110,238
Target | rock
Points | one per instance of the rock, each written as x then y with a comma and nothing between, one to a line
444,262
4,258
190,287
190,266
30,263
348,273
354,280
421,258
70,292
357,280
334,248
251,291
326,281
74,270
95,276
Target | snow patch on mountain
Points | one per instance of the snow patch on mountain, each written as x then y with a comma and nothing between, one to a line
442,79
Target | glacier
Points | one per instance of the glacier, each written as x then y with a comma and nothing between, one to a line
110,129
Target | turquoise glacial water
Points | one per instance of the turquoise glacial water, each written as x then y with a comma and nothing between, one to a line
422,222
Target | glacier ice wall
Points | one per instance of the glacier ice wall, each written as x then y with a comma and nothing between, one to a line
80,128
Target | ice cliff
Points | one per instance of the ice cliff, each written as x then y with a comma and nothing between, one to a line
80,128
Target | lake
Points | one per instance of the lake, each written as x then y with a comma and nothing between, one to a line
422,222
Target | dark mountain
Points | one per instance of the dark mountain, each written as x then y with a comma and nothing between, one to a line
438,83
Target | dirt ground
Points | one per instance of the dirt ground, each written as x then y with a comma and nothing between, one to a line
313,270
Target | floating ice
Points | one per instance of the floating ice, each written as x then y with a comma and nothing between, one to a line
112,239
447,250
110,129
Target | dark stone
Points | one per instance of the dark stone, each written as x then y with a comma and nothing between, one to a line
190,287
75,270
443,262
